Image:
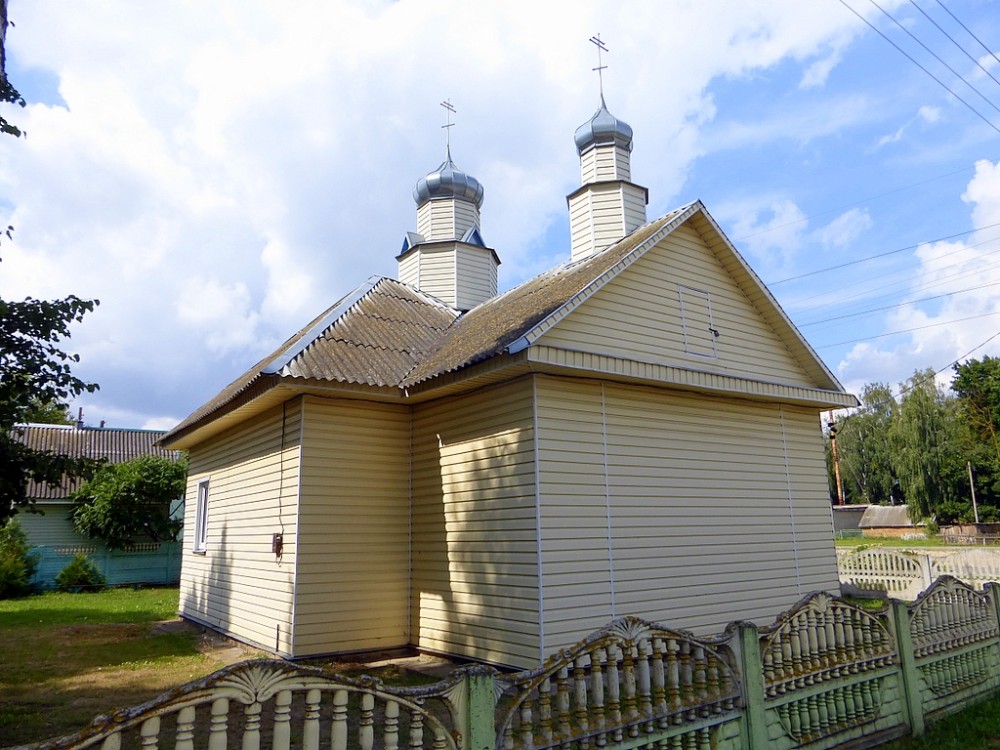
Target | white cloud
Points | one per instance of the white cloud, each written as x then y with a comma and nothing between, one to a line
218,178
964,277
845,229
770,231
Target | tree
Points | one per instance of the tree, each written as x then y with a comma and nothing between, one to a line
131,500
49,413
977,385
33,371
926,453
8,93
863,444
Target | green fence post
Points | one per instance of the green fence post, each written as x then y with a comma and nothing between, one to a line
992,590
479,707
909,675
754,713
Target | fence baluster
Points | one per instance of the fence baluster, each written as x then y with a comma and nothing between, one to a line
185,729
282,717
390,733
366,720
310,725
338,728
580,698
150,733
218,724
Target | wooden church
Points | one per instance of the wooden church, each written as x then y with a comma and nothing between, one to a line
432,464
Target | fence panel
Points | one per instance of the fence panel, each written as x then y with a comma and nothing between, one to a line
975,567
956,644
830,675
274,704
633,684
151,563
899,574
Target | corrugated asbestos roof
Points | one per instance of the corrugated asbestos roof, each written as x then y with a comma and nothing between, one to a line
387,334
113,445
885,516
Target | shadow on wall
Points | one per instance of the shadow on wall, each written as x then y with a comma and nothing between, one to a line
206,600
472,522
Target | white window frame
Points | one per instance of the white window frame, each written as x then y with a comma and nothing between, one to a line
200,541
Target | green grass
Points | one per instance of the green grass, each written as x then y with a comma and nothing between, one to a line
69,657
894,542
975,728
109,606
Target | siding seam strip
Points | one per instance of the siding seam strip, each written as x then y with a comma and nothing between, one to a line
298,519
538,521
791,503
607,503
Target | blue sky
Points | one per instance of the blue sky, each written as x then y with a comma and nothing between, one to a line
217,174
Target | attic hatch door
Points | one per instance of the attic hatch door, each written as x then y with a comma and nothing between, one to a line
696,321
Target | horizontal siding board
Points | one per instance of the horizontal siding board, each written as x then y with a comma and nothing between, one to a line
238,586
620,321
473,535
354,537
697,491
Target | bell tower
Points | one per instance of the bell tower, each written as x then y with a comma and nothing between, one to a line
608,206
447,257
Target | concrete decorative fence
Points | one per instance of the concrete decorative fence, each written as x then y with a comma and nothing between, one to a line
826,674
904,574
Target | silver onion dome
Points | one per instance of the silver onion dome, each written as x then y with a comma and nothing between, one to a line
603,129
448,181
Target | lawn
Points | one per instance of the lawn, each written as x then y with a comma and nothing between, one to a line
69,657
934,541
975,728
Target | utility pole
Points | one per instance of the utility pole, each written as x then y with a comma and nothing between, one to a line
972,489
832,426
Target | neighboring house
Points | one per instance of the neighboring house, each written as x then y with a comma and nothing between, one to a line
846,519
889,521
51,529
635,431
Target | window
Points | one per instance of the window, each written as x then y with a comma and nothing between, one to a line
201,518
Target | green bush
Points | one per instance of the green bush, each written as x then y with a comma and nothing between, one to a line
80,575
17,561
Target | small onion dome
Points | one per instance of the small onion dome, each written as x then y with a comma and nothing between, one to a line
603,129
448,181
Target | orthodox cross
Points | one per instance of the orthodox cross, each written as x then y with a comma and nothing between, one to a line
596,41
448,124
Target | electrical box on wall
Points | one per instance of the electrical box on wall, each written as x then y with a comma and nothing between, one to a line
277,543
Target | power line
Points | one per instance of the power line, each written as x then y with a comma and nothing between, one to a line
911,59
881,287
969,32
825,212
933,54
909,330
906,389
880,255
955,42
893,307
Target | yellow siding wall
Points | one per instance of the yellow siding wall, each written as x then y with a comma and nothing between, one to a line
352,588
713,509
477,277
475,584
581,227
600,164
409,269
437,273
637,316
237,585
